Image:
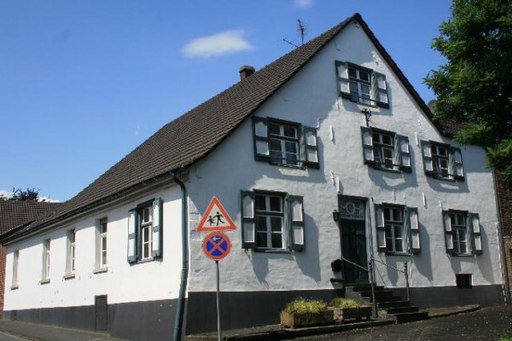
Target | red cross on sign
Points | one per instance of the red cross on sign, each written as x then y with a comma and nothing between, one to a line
216,245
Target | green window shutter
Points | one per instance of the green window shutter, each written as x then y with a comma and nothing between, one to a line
296,223
310,146
157,230
402,157
428,163
248,221
455,167
413,230
132,236
476,235
448,232
366,136
380,90
381,228
343,80
261,141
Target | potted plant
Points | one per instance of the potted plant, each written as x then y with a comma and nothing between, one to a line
306,312
346,309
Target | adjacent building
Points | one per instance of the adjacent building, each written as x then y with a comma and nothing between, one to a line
331,129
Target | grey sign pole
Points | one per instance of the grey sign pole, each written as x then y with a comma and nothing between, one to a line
219,336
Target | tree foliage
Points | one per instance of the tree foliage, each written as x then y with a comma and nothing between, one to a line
474,87
24,195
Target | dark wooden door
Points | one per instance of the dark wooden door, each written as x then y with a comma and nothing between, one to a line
354,249
101,312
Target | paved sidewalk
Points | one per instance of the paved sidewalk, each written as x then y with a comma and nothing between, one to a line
41,332
276,332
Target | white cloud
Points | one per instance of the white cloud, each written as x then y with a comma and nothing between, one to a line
5,194
303,3
217,45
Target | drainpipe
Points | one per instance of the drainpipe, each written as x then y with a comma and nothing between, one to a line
180,307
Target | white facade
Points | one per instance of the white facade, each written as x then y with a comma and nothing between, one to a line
120,281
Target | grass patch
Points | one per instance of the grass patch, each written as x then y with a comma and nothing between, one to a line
304,305
340,302
505,338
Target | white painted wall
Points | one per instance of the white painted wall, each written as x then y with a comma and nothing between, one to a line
311,98
155,280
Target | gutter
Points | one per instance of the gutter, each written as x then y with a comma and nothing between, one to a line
180,307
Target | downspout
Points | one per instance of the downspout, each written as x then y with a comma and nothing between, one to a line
180,307
503,263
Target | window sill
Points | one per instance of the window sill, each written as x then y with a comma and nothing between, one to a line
45,281
69,276
441,178
462,254
389,253
14,287
100,271
369,103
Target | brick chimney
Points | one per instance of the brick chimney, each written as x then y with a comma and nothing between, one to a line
246,71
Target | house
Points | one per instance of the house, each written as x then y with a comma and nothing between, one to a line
331,129
14,214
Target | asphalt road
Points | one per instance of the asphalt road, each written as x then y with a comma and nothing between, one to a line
485,324
10,337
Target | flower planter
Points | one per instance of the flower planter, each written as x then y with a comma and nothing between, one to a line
299,320
347,314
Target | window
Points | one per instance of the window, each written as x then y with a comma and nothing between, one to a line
101,245
462,233
70,259
386,150
45,277
362,85
145,232
15,261
285,143
272,221
397,229
442,161
463,280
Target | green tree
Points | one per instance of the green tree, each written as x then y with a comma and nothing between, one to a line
474,87
24,195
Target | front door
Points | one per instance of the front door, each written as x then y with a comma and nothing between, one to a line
353,240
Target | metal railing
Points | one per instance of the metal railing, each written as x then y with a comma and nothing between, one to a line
404,271
369,270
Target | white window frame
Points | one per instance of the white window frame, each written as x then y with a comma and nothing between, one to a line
394,243
269,216
286,142
146,232
380,148
357,84
460,233
45,276
101,245
463,236
15,266
70,253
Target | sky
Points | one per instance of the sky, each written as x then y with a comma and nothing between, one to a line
84,82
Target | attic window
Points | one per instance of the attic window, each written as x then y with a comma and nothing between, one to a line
362,85
285,143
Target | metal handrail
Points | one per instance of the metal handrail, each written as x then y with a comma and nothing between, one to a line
372,284
404,271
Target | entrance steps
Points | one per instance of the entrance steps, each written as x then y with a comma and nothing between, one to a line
387,303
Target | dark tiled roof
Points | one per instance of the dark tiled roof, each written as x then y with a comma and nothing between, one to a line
16,213
192,136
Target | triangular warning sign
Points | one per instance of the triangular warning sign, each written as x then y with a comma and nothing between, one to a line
215,218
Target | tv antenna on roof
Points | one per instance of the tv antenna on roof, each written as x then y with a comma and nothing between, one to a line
301,29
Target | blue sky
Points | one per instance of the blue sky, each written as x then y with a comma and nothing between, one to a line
84,82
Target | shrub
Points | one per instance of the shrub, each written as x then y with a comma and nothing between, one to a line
340,302
505,338
303,305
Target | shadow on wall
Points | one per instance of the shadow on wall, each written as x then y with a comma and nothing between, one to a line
307,260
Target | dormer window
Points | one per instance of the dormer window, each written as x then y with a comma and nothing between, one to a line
362,85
